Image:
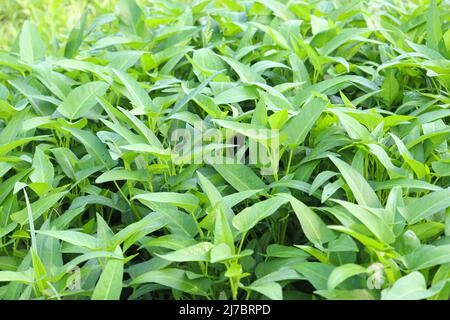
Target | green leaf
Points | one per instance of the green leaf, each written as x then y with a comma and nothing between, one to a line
249,217
374,222
301,124
76,37
32,48
109,285
196,252
427,256
94,146
137,95
272,290
184,200
360,188
82,99
390,88
146,148
222,231
268,285
250,130
278,8
410,287
427,205
333,85
354,129
278,119
150,223
42,168
240,177
209,189
122,174
313,227
237,94
193,93
342,273
316,273
173,278
5,148
38,207
343,36
26,277
433,26
73,237
66,160
244,71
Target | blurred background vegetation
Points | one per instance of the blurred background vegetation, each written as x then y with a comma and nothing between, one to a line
56,18
52,17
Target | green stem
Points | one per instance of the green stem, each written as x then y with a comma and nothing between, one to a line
291,153
242,242
284,229
133,208
200,231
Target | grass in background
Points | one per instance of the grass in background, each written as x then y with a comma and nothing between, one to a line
53,17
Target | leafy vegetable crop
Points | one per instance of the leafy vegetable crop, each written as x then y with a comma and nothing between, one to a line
117,179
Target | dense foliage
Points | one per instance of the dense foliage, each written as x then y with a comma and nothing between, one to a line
93,204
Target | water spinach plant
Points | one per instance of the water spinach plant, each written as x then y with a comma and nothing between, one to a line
227,149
